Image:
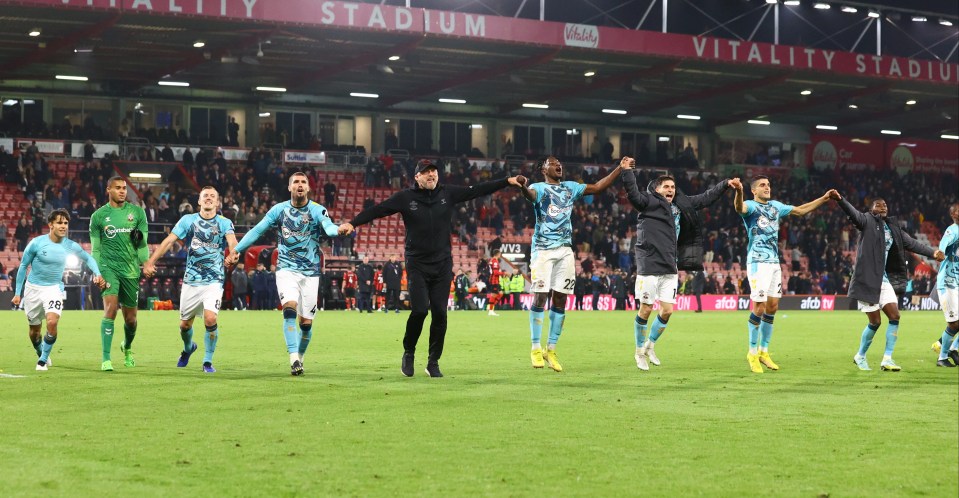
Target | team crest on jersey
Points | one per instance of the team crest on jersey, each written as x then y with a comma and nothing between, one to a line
645,295
762,293
107,219
130,217
305,218
413,206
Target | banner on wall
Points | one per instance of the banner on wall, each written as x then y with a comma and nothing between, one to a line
303,156
923,156
44,146
837,151
711,302
385,18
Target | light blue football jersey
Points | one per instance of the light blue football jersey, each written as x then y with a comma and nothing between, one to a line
553,207
948,277
299,232
47,259
762,225
206,244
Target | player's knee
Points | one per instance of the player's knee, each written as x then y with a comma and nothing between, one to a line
665,314
289,313
418,315
893,315
953,326
875,325
209,322
210,327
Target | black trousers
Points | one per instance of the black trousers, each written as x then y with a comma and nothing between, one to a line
429,287
392,299
365,301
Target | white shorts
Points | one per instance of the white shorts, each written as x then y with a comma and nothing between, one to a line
886,296
949,301
765,281
553,269
652,288
38,300
297,287
195,299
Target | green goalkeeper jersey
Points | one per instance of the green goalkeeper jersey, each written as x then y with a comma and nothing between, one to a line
113,249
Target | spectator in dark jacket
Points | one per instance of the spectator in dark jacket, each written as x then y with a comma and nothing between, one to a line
239,280
364,273
392,278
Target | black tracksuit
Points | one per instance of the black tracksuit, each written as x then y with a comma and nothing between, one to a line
364,277
428,216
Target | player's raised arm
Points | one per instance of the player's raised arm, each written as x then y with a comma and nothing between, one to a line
605,183
812,205
739,200
257,231
392,205
637,198
90,262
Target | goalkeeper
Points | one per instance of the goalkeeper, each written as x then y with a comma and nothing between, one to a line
118,232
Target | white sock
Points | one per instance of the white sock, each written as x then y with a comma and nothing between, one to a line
536,346
886,357
753,351
551,347
294,357
764,349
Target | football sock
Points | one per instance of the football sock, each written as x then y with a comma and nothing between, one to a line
47,346
753,333
129,332
766,331
305,336
955,343
867,334
556,318
657,329
947,337
639,330
187,336
289,331
536,316
209,340
39,341
106,337
892,333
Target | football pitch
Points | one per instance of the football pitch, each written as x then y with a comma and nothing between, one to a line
700,424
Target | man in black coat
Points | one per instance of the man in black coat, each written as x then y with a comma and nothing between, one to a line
880,273
427,210
364,273
699,283
669,238
392,278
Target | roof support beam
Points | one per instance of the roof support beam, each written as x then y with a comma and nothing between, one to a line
804,104
56,46
474,77
712,93
599,84
379,55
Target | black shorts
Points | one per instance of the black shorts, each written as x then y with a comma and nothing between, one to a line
349,292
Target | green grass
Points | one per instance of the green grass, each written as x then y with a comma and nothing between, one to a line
353,426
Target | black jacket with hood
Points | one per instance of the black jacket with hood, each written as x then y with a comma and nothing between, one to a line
658,252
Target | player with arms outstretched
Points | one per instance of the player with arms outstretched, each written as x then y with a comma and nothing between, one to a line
300,223
553,264
207,235
42,293
947,284
761,217
118,231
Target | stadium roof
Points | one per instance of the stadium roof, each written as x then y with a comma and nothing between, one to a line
321,52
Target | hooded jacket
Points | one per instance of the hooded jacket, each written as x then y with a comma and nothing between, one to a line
658,251
866,279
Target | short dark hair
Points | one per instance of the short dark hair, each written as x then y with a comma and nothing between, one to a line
662,179
541,166
877,199
115,178
56,213
756,178
297,173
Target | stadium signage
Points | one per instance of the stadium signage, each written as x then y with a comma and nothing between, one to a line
581,35
43,146
526,31
299,156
